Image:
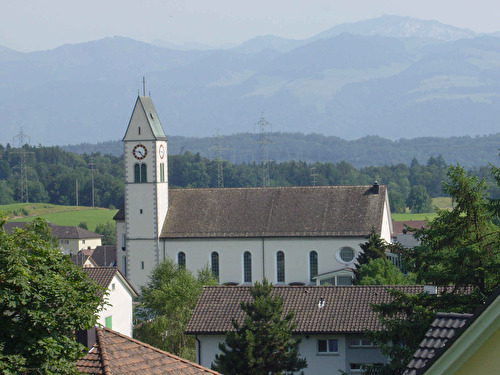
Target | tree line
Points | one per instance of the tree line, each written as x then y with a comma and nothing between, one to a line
53,175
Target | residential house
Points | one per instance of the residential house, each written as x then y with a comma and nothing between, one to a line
117,312
116,354
71,239
331,322
460,344
285,234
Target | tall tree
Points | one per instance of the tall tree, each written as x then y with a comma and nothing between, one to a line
166,304
419,200
44,298
264,343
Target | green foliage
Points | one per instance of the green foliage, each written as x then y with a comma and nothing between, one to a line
166,304
83,225
108,230
382,271
44,298
460,252
418,200
374,248
263,344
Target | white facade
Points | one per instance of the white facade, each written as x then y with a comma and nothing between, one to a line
264,264
117,312
347,358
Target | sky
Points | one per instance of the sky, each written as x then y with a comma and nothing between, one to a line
32,25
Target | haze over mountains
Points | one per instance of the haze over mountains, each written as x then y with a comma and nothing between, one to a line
394,77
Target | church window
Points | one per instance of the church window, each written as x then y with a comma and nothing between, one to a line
137,173
280,267
142,265
247,267
140,211
139,130
313,265
181,259
144,176
347,254
162,172
214,260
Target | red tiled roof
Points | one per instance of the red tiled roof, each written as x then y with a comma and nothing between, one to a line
399,226
115,354
346,308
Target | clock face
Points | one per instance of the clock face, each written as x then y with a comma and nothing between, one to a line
140,151
161,151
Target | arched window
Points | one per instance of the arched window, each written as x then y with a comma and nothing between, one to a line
137,173
144,175
247,267
280,267
140,172
214,258
181,259
313,265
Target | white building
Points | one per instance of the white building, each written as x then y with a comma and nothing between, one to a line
286,234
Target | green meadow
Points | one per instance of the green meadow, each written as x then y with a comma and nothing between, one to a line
59,215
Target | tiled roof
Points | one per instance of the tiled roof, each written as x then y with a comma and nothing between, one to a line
61,232
115,354
346,308
101,275
105,255
399,226
274,212
443,329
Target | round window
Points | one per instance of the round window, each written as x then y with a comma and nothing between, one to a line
347,254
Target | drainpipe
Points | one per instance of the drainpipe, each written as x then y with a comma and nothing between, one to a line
263,260
199,348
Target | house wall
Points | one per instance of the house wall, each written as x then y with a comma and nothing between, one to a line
73,245
119,308
317,363
198,254
485,360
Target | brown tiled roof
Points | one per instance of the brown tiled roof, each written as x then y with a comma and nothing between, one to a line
105,255
120,215
443,328
346,308
274,212
115,354
61,232
101,275
399,226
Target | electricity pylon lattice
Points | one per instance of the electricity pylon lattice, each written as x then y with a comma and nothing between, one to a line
264,149
20,140
218,159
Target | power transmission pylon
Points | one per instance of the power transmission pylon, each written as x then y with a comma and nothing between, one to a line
218,159
264,150
21,139
313,175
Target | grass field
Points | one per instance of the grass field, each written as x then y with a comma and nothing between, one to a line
443,203
59,215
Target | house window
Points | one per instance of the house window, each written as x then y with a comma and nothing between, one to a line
330,346
280,267
313,265
247,267
344,280
181,259
162,172
215,264
108,322
360,343
83,241
347,254
113,286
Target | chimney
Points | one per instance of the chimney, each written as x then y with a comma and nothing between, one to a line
430,289
86,337
375,188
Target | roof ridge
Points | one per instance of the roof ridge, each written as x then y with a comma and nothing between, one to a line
277,187
104,352
173,356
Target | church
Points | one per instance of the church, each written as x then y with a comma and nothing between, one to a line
289,235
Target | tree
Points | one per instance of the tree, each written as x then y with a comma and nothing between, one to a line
419,200
108,231
460,252
264,343
166,304
44,299
374,248
381,271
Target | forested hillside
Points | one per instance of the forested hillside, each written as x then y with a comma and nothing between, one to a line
363,152
53,174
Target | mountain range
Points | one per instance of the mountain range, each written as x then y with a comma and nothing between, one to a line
392,77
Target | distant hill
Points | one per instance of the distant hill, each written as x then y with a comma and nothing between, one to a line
364,152
392,77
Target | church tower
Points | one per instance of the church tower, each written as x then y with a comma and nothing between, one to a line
146,192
